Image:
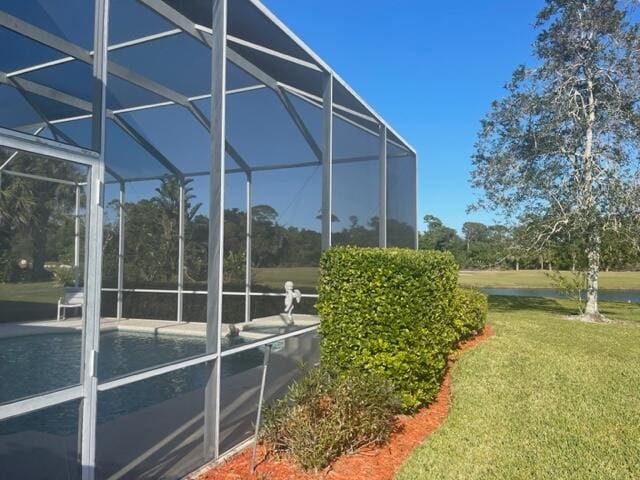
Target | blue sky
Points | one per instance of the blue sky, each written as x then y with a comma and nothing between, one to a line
431,69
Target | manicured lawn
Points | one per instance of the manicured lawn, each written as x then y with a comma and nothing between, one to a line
544,398
538,279
303,277
307,277
28,301
40,292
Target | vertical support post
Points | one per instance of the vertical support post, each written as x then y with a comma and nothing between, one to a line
265,365
415,203
181,251
383,187
216,224
121,235
327,161
76,239
248,247
93,242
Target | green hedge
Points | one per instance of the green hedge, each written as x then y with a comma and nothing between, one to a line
470,312
389,312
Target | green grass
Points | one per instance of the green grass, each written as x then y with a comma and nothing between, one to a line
544,398
307,277
28,301
538,279
39,292
274,277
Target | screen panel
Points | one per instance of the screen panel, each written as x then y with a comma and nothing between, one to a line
153,429
178,62
241,379
356,185
71,20
401,197
239,395
286,240
43,445
41,262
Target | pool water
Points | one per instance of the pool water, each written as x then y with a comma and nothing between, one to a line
40,363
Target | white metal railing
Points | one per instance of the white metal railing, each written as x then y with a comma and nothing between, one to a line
203,292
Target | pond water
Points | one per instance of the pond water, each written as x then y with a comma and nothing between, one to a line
632,296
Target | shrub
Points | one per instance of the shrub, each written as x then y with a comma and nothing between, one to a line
326,415
470,312
65,276
388,312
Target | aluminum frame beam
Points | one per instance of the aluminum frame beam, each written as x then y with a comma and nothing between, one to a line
181,223
48,148
248,248
39,402
327,163
121,246
274,53
76,238
216,224
93,247
382,194
40,177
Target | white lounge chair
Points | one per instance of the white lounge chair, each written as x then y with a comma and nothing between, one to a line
73,298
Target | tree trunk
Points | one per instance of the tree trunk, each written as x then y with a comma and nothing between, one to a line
593,255
593,237
517,265
541,262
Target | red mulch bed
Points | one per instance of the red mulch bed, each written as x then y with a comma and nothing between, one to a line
378,463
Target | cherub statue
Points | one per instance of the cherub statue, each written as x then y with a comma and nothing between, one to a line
289,298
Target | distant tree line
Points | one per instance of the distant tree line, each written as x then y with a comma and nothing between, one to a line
37,228
36,218
151,239
481,246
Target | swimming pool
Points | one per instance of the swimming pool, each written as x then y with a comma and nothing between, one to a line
35,364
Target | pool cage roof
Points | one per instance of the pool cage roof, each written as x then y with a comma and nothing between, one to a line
160,66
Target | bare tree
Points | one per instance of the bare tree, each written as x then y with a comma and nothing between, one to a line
562,146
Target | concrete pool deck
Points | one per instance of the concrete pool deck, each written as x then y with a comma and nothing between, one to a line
257,329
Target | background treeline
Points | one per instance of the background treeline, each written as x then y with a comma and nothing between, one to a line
36,219
37,229
151,245
483,246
